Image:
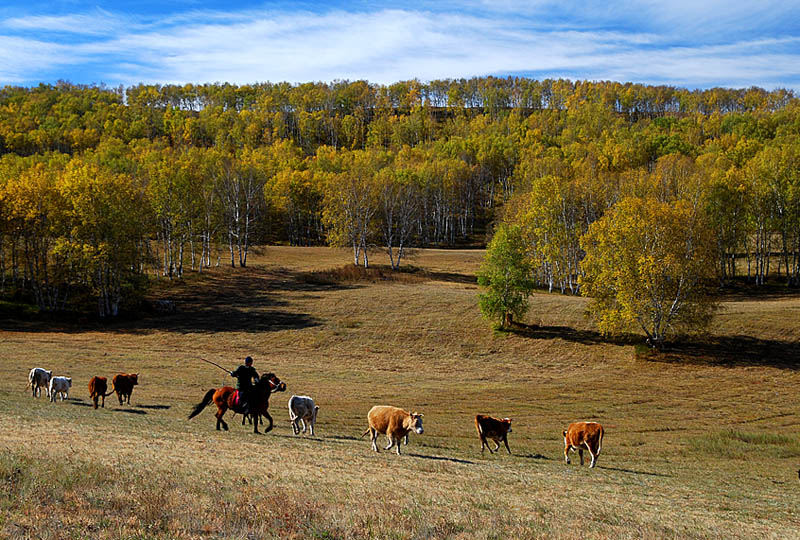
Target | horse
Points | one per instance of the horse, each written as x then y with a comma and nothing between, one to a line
223,398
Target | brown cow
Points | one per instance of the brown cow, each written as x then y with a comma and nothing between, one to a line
97,390
123,384
583,434
494,429
393,422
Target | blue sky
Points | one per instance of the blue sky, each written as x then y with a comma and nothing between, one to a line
694,44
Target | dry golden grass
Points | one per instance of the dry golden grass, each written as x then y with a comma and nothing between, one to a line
701,442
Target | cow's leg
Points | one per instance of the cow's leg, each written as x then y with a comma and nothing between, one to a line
312,422
303,421
397,448
505,440
567,448
119,397
373,433
594,456
104,402
390,438
405,440
496,446
580,453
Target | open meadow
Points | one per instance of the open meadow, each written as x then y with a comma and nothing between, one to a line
702,441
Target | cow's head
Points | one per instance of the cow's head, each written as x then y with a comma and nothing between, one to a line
49,375
134,378
69,382
416,422
507,423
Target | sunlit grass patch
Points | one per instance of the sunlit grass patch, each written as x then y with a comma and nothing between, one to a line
736,444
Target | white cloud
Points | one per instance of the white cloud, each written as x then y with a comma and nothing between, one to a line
389,45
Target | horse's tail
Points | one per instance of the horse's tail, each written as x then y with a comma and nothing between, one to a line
208,398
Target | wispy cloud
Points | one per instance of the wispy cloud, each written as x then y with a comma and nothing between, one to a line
385,45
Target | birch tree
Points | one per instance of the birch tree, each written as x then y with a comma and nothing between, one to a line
646,266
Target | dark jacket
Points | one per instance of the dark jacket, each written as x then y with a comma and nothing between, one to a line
244,377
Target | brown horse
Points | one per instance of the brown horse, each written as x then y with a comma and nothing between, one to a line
223,398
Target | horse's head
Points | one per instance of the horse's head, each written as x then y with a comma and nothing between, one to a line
271,381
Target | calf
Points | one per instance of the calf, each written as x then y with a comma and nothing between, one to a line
123,384
393,422
60,386
39,378
580,435
494,429
302,409
97,390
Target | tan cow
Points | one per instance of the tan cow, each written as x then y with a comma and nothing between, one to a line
492,428
393,422
580,435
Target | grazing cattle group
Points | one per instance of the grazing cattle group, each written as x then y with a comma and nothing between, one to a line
393,422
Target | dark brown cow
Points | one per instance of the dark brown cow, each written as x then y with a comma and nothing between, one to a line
97,390
123,384
393,422
492,428
580,435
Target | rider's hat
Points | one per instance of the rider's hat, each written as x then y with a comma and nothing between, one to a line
248,359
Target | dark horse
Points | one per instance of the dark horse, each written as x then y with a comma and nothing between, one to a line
259,400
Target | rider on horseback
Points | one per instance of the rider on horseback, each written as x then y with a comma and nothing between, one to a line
244,375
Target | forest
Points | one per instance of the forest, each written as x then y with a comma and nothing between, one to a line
103,190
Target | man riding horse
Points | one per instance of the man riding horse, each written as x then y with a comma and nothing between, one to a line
246,375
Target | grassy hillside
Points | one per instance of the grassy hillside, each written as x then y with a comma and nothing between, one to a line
701,442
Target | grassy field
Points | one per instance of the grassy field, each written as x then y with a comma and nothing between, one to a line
701,442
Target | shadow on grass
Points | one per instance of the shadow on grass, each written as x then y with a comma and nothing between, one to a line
442,458
155,407
629,471
730,351
567,333
534,456
129,411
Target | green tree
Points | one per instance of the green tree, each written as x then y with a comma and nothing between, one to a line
646,266
506,274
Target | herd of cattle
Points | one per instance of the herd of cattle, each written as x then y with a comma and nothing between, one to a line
393,422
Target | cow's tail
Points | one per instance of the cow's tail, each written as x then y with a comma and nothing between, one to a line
30,382
600,442
362,435
111,392
208,398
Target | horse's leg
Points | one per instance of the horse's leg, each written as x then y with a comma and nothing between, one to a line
220,421
269,428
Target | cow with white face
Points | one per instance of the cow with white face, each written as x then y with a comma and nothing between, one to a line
301,410
393,422
39,378
60,386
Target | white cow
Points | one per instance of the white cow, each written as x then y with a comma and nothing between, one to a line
302,409
39,378
60,386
